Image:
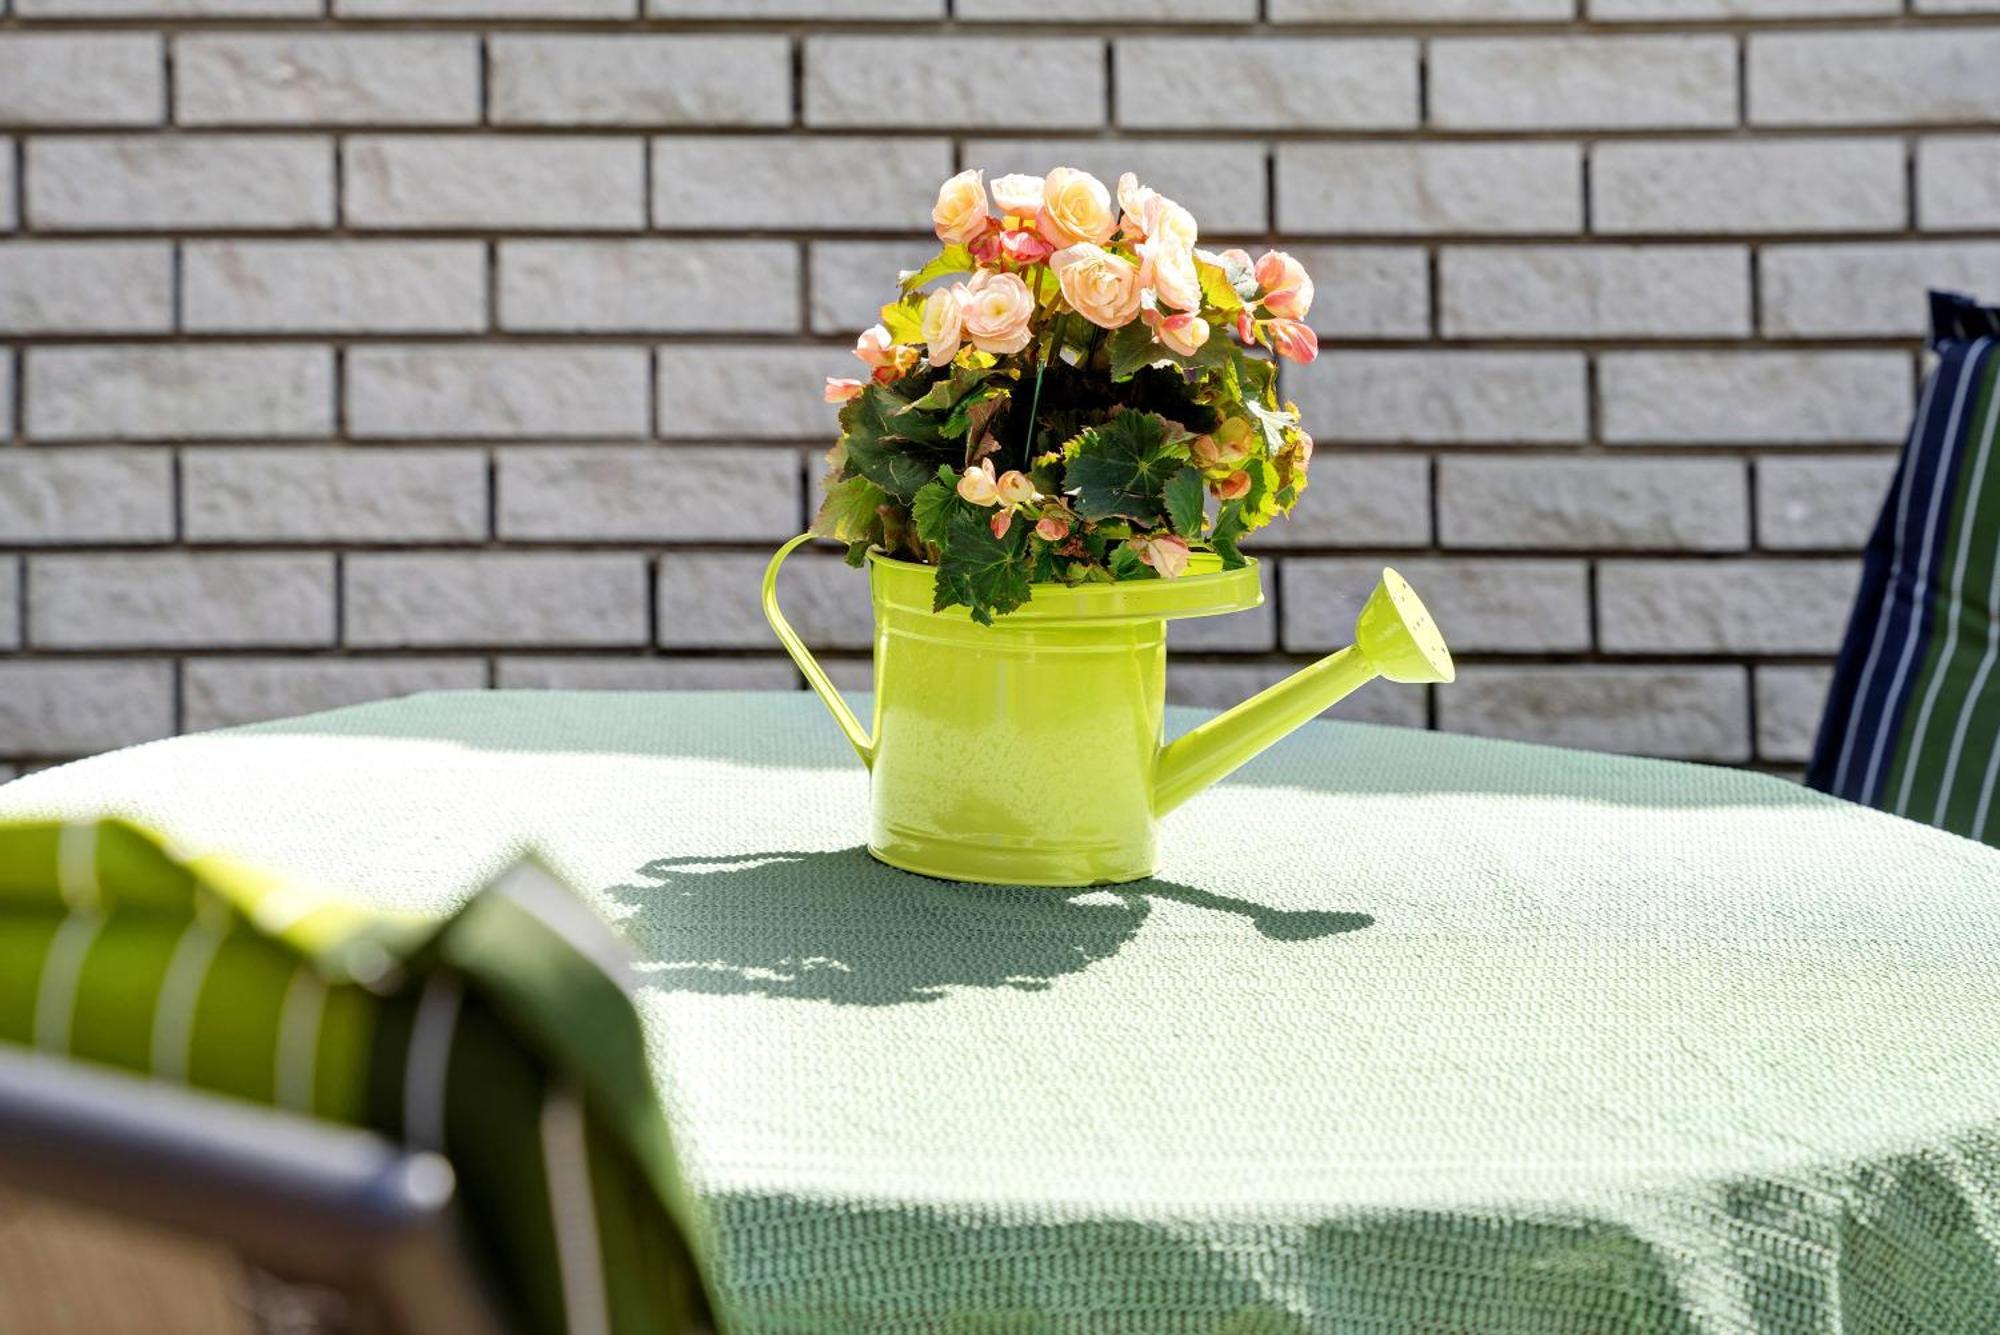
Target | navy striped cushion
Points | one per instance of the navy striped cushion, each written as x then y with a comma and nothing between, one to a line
1912,721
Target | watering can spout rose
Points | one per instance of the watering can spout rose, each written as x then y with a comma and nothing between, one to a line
1031,751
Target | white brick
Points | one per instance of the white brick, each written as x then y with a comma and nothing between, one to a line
1419,11
1868,289
232,391
62,708
508,390
495,598
1754,398
1208,176
89,495
10,603
870,184
1481,605
63,287
1595,292
1224,685
1826,504
589,673
1957,6
500,181
749,393
178,600
1092,11
1958,183
1874,77
1252,631
168,182
230,692
82,79
855,82
640,79
604,494
1369,291
334,286
1356,500
1689,713
1566,83
712,602
1681,10
1418,189
1554,502
651,286
795,9
1435,397
169,9
325,79
1270,82
1733,186
334,495
1723,607
1789,702
485,9
853,280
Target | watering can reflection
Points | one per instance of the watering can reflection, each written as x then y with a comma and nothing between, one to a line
1033,751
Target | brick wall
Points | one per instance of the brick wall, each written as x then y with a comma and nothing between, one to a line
404,345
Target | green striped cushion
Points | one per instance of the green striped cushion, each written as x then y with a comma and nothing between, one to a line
503,1037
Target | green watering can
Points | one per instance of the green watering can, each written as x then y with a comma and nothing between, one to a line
1033,752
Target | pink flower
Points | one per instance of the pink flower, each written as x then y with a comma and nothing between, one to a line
876,347
1167,267
1018,196
1184,331
1165,553
1075,208
1293,340
997,309
1014,487
1052,528
1231,488
960,212
1001,522
977,485
1288,289
1103,288
1136,201
839,389
1246,328
943,323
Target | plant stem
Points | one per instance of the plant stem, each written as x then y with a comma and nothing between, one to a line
1035,402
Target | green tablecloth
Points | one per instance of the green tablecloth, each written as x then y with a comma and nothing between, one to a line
1413,1032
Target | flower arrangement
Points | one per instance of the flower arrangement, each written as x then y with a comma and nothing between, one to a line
1066,408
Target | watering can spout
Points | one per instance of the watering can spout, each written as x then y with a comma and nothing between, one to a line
1394,637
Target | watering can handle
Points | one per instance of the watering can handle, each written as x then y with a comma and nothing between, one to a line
829,695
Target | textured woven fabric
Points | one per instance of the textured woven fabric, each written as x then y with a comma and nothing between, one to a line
1912,720
501,1038
1412,1033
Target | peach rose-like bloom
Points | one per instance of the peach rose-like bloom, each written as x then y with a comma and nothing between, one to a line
1075,208
1103,288
839,389
1293,340
1052,528
943,324
1183,331
997,309
1001,522
1135,201
960,212
977,484
876,347
1288,289
1014,488
1167,267
1168,555
1018,196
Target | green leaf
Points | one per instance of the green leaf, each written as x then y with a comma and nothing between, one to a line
949,388
848,512
1216,288
1229,529
1186,500
905,320
1132,350
976,570
884,449
1125,564
932,508
1123,466
952,259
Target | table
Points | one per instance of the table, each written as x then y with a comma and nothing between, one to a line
1412,1032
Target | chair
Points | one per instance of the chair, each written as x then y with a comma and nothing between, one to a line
306,1201
1912,721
